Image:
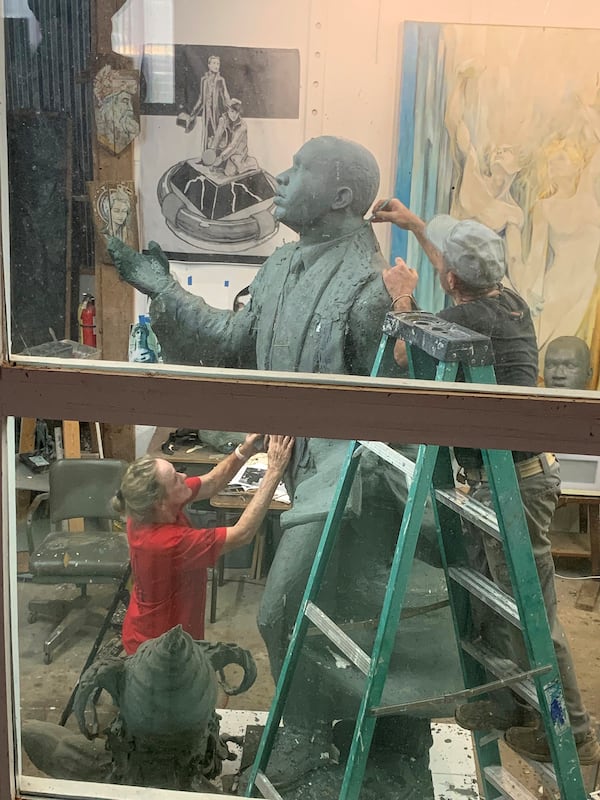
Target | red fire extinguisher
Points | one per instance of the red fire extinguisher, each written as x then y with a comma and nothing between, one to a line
87,320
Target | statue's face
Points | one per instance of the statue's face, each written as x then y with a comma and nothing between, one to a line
306,190
566,367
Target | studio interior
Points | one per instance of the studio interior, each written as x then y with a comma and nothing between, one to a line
299,391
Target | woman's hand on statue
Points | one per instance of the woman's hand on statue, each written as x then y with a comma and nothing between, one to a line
396,212
253,443
400,280
279,452
147,273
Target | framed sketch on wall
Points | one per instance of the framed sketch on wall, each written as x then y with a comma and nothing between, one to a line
494,127
116,107
222,113
216,184
114,210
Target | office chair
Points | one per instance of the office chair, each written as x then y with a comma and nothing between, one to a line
79,488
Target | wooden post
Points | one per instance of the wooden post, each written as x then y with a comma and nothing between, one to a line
114,298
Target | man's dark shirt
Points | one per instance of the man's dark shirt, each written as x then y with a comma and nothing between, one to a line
507,321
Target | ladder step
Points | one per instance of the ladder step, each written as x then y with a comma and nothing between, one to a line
460,502
487,591
266,788
545,771
337,636
464,694
470,509
387,453
502,668
507,784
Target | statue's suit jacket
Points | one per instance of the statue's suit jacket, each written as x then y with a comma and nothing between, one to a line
329,322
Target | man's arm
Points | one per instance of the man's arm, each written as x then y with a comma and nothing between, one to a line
401,282
397,213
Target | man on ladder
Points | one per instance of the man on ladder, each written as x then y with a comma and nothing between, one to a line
469,260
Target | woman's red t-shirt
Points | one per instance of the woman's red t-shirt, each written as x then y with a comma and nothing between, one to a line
169,563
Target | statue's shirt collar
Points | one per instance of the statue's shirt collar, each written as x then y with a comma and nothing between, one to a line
309,254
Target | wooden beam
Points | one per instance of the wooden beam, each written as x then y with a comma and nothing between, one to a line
497,418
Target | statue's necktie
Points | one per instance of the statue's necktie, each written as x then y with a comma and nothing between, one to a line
295,271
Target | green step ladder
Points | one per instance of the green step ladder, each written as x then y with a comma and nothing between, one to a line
436,349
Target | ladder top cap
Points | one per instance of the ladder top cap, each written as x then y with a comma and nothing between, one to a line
443,340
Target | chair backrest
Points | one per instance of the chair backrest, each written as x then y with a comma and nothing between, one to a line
84,487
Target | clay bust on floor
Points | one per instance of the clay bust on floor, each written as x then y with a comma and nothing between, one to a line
316,306
166,733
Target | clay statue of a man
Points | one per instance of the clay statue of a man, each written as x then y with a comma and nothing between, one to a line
316,305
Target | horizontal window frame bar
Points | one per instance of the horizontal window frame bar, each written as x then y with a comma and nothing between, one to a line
406,412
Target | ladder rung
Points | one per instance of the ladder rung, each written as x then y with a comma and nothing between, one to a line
487,591
393,457
266,788
507,784
470,509
337,636
463,694
460,502
502,668
545,771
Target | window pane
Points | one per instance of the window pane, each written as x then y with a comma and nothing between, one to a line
165,688
268,259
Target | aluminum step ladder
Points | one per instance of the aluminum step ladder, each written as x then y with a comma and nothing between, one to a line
438,349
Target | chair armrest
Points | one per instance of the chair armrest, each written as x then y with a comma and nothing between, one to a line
33,506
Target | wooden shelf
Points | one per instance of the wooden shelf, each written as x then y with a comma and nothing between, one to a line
570,545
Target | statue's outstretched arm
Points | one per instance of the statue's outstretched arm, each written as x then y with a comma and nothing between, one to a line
148,274
189,330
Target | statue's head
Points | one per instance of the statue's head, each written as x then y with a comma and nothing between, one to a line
567,363
329,176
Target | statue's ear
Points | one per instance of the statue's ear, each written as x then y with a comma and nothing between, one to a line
343,198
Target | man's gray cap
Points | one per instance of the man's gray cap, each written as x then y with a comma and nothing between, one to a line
471,250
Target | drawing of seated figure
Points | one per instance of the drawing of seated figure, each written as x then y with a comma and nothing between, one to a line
231,142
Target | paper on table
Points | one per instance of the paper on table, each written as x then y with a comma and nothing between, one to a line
250,474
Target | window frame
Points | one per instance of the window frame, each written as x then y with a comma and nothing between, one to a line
407,411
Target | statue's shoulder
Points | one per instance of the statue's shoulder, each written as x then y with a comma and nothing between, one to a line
281,253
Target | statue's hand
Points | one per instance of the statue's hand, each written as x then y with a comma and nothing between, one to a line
149,274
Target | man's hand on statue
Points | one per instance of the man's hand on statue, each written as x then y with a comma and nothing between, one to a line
397,213
147,273
279,452
400,281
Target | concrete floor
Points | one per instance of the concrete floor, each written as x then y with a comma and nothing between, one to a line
45,689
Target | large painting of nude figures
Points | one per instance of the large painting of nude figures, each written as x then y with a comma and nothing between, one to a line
502,124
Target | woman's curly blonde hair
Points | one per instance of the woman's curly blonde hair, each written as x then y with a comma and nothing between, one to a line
140,490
